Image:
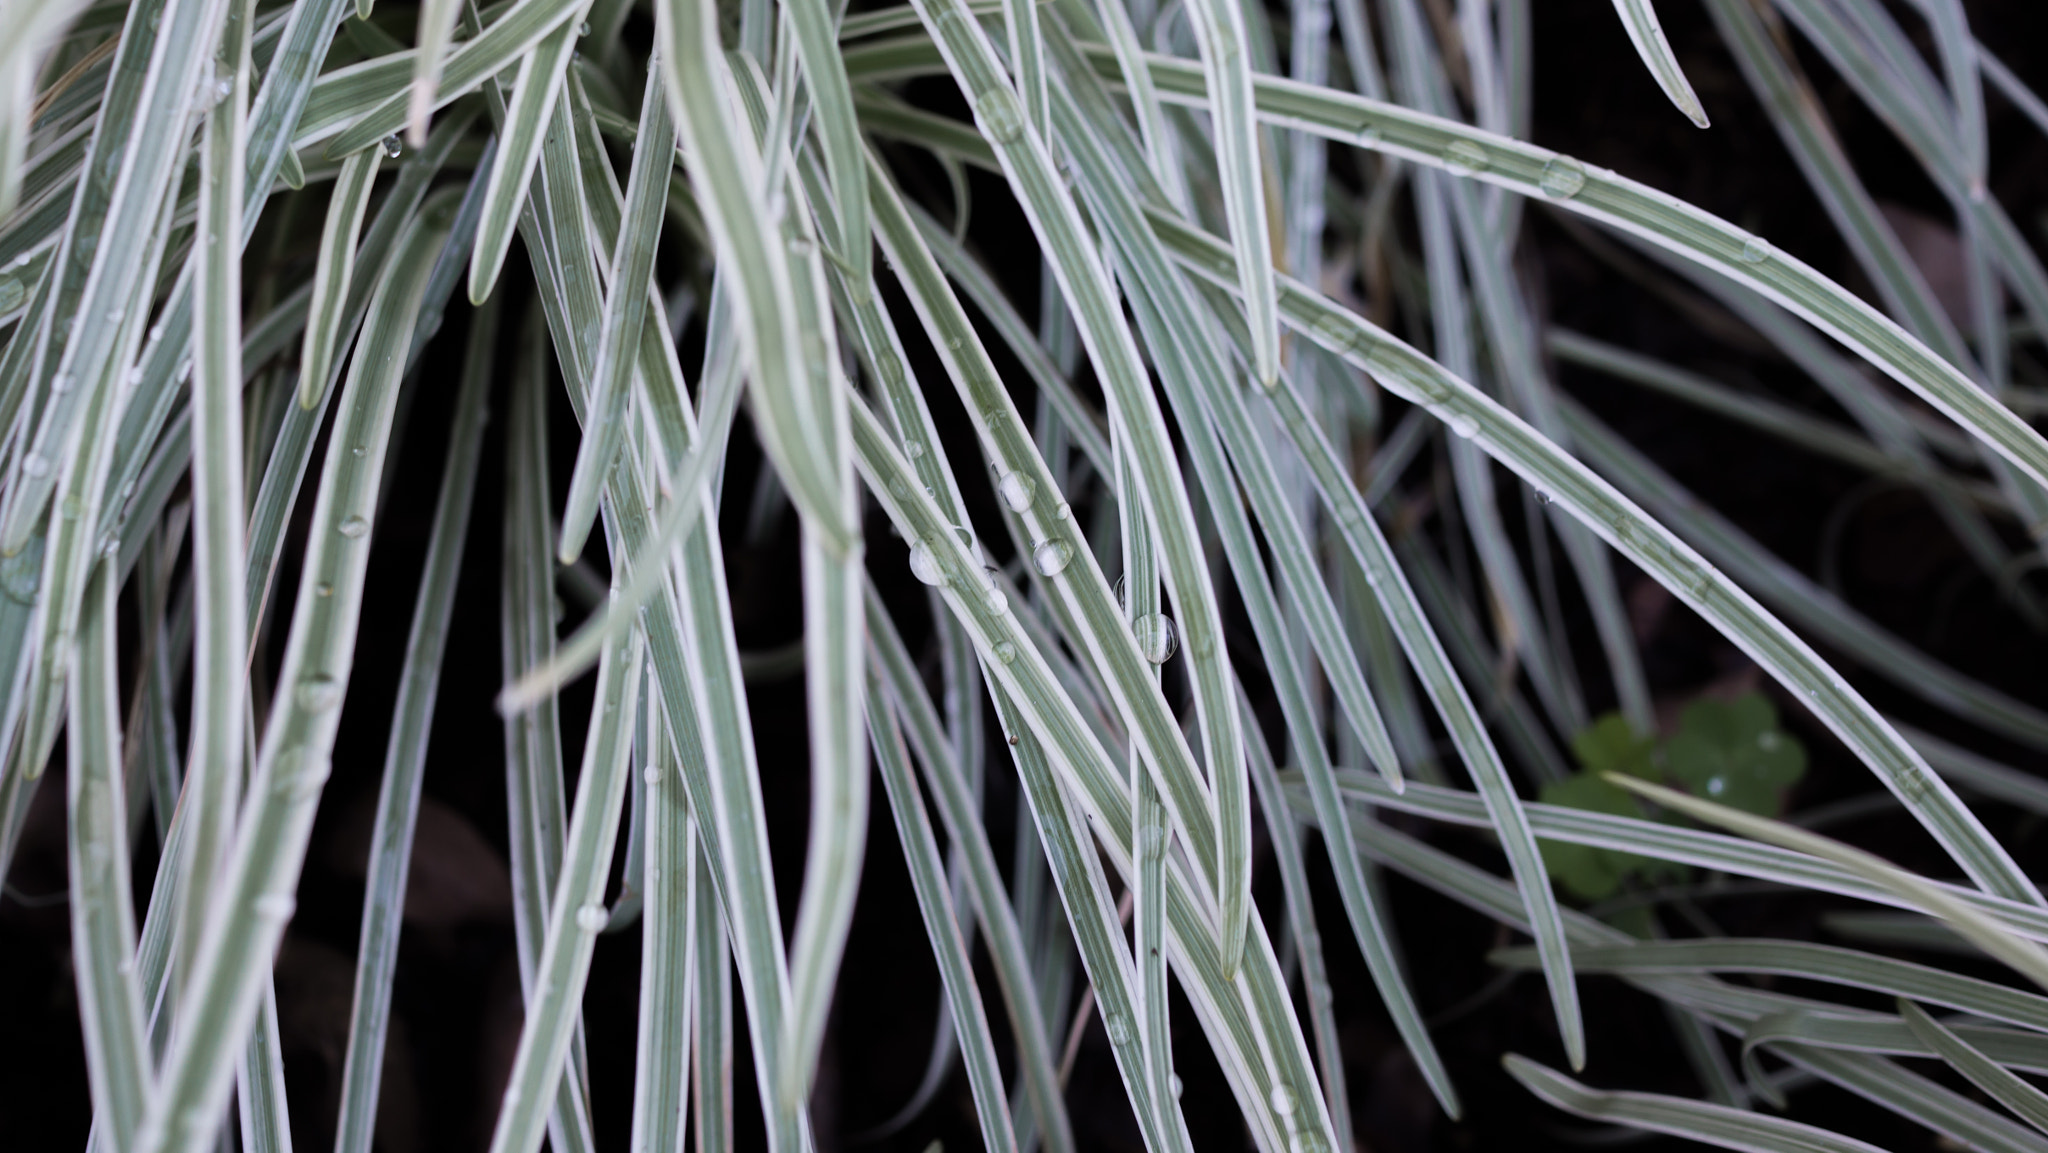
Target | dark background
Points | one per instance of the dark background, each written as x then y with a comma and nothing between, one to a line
457,1003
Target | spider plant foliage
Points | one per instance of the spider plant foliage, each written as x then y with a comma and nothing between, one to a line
231,232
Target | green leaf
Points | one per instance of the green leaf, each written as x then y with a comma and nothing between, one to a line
1612,745
1734,753
1588,873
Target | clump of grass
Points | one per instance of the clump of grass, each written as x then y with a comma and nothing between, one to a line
231,232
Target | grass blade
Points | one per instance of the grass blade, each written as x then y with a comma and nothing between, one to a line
220,610
102,909
1648,36
333,271
508,40
576,911
2029,1103
668,956
247,921
1085,284
956,970
526,121
436,29
1645,541
999,920
398,794
625,308
2027,957
1719,1125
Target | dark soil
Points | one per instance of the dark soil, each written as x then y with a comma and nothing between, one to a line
457,1003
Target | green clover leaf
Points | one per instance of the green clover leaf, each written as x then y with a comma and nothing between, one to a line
1733,752
1612,745
1586,872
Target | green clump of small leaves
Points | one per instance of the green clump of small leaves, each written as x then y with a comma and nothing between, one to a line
1728,751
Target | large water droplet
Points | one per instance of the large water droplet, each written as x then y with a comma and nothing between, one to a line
1157,637
1118,1029
591,918
1006,652
319,693
1755,250
1369,135
1152,841
992,587
1462,425
392,146
924,565
354,528
1016,489
997,112
1283,1100
1051,556
1465,158
913,449
1562,178
274,906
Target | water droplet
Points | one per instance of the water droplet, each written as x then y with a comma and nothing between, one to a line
591,918
913,449
354,528
35,464
60,383
1063,512
323,590
11,293
1051,556
274,906
997,113
300,773
392,146
1462,425
924,565
651,774
1543,496
1716,786
319,693
1755,250
1157,637
358,451
1368,135
583,28
998,600
1465,158
1016,489
1562,178
1118,1029
71,507
1283,1101
801,246
1152,841
1006,652
1173,1084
